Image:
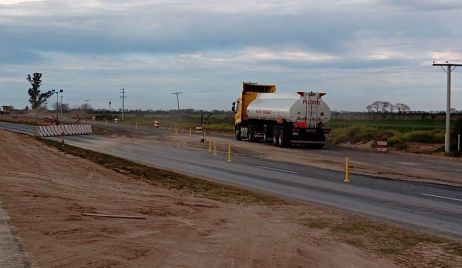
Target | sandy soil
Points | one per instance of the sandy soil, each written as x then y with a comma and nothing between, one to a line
46,192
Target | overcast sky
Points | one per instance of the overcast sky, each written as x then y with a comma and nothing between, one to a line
356,51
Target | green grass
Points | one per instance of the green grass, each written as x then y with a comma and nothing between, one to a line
396,139
401,125
224,122
218,122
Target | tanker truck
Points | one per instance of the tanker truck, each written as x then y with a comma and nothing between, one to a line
283,119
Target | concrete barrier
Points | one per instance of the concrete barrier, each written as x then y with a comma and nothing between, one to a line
63,130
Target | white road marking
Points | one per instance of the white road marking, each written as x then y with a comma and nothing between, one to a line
277,169
443,197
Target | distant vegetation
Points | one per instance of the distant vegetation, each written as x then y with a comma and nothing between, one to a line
398,124
212,121
398,128
396,139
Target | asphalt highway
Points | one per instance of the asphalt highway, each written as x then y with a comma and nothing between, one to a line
433,207
19,128
436,208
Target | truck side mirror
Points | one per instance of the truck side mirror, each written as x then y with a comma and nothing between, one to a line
233,108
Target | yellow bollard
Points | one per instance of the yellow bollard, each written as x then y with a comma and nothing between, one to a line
210,146
230,156
190,132
214,147
347,170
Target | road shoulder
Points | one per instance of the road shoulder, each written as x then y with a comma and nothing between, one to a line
11,253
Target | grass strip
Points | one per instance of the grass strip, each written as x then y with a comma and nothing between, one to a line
385,239
169,179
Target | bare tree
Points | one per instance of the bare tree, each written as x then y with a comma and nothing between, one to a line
386,106
392,108
375,106
402,108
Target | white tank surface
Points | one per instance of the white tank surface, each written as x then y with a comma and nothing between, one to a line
299,107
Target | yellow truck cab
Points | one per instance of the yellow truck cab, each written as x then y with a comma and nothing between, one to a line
249,93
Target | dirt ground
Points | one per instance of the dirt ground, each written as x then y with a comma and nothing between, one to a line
46,191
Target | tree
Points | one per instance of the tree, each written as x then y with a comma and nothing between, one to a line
402,108
86,107
387,106
64,107
375,106
36,98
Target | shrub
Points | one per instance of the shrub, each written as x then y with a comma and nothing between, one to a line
352,134
392,141
436,136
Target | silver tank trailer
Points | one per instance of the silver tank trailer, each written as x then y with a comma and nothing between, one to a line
297,107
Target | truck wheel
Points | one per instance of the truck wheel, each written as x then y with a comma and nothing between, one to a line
237,132
265,137
275,137
281,137
250,136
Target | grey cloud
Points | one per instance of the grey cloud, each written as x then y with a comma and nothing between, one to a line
53,36
426,5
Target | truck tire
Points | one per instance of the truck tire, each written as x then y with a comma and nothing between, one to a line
284,139
250,136
281,138
275,137
266,139
237,132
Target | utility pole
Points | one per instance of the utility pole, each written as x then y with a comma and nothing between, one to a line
177,99
57,101
123,101
86,108
61,106
449,68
